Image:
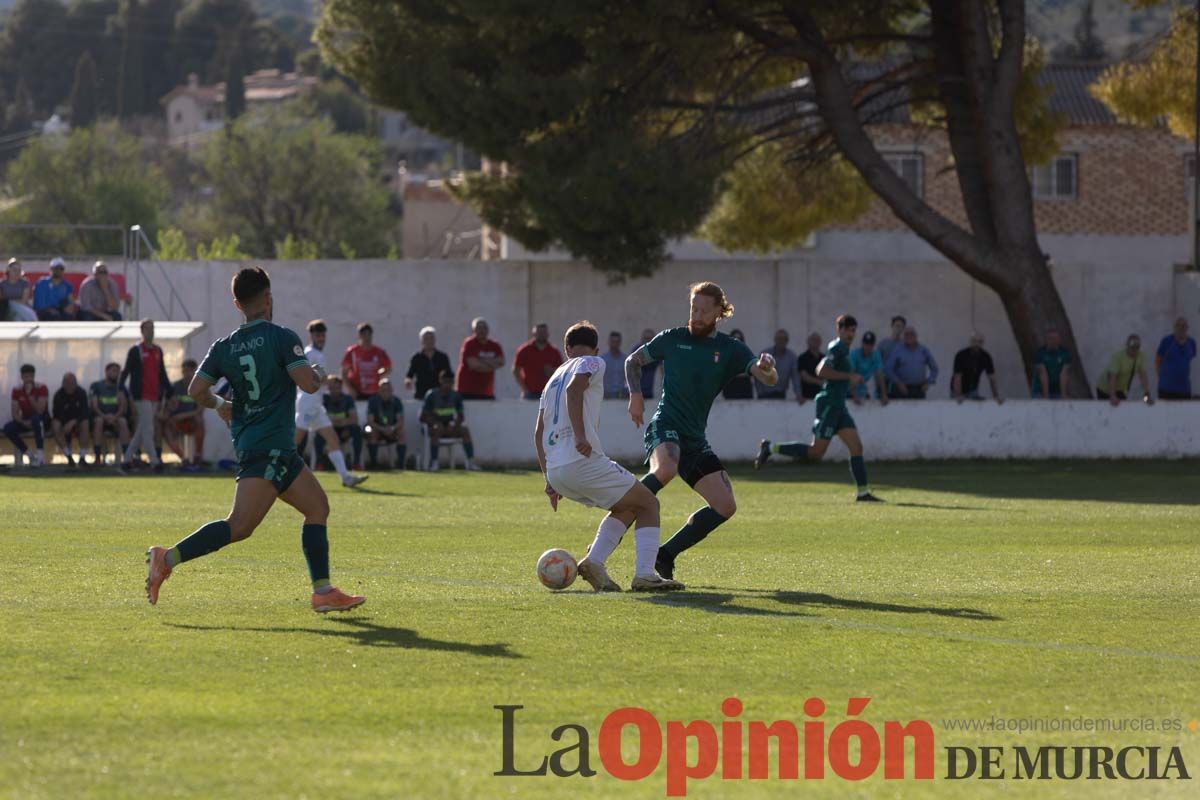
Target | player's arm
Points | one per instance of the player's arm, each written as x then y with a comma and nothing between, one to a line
308,377
200,390
633,380
538,430
826,371
575,391
764,369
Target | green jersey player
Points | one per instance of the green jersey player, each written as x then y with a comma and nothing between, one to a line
833,418
264,364
697,363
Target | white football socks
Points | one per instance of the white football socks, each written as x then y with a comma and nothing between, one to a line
646,542
339,463
608,536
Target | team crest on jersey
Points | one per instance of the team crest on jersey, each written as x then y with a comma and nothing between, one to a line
298,350
716,356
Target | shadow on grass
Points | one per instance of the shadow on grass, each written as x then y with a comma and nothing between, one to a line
938,507
713,603
361,489
370,634
1157,481
829,601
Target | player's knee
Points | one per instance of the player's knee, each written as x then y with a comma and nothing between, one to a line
726,507
319,513
666,471
239,528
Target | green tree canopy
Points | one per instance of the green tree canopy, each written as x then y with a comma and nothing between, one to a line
95,175
84,92
277,175
625,124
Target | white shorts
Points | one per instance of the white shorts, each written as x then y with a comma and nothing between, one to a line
312,419
593,481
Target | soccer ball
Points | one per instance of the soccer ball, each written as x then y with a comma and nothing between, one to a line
556,569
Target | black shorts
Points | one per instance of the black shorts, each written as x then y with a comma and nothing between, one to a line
696,458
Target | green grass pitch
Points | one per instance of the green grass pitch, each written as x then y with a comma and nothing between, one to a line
981,590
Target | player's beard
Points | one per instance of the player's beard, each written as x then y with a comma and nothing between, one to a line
700,329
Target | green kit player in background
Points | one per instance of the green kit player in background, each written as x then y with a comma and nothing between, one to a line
833,419
264,364
697,363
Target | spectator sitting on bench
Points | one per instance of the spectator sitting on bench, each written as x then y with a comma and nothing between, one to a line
184,417
29,401
443,415
342,413
110,411
18,291
385,424
53,297
99,300
72,418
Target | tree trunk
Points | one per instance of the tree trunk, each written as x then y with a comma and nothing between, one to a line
1034,306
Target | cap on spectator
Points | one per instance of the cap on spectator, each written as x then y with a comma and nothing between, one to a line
57,263
363,327
428,329
14,260
869,337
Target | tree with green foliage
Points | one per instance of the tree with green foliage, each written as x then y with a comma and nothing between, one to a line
95,175
625,127
336,101
279,175
84,92
235,83
32,43
1162,85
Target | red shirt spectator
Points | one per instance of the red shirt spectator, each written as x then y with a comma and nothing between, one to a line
27,395
364,364
151,361
478,359
535,362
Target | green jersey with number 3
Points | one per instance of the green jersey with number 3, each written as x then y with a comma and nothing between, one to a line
255,359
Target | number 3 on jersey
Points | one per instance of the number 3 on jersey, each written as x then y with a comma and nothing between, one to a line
250,370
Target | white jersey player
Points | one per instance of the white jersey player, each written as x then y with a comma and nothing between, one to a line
310,408
575,467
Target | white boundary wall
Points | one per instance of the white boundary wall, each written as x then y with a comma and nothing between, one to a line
933,429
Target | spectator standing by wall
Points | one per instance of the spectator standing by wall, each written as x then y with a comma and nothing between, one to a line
806,363
426,364
970,364
364,365
478,359
741,387
867,362
911,369
785,367
385,424
149,386
18,292
1051,368
535,362
71,419
899,323
109,410
29,415
649,371
1117,379
1173,362
53,298
443,415
98,296
614,369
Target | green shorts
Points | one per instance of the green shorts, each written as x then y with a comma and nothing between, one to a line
696,458
280,467
830,419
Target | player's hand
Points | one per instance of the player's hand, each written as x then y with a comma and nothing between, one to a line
553,495
637,407
225,412
583,447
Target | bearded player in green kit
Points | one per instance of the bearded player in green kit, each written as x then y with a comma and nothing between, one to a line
264,364
697,363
